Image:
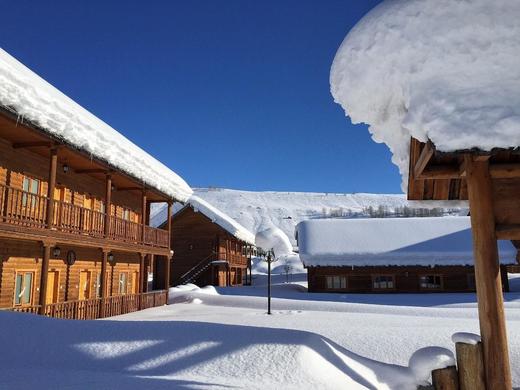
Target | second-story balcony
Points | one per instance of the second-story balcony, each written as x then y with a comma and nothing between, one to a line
22,208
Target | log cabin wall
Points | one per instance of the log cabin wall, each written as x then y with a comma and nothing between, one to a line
403,279
17,163
20,257
196,239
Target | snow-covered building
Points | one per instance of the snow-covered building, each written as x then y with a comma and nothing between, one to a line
75,200
392,254
209,247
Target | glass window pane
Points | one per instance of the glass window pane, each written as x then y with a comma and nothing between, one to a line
343,282
35,184
27,286
25,184
18,290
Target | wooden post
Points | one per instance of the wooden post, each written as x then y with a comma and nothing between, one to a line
43,276
169,257
143,216
53,164
108,203
445,379
487,275
470,366
103,283
143,275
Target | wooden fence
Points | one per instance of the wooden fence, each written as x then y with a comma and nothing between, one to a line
91,309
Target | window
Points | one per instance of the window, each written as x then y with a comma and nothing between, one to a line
126,214
123,280
336,282
381,282
431,282
31,186
23,288
98,285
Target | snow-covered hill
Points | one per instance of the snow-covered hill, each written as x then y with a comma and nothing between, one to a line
259,211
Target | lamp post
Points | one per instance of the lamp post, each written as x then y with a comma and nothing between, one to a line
270,258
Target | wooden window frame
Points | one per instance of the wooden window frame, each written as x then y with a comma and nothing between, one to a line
375,276
127,275
24,271
30,180
336,276
441,285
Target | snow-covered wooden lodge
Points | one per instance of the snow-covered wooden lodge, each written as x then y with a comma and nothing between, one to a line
392,255
75,195
209,247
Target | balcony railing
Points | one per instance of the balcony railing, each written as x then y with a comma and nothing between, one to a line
237,259
23,208
91,309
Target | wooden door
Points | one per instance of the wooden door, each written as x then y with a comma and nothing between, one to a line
53,280
135,282
84,285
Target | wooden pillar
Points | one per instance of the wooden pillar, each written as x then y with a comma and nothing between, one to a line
143,216
53,164
169,257
103,282
487,275
43,276
108,203
143,275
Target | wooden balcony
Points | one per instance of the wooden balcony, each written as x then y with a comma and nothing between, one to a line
232,258
22,208
91,309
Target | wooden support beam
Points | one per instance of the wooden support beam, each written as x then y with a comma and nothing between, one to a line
53,164
424,158
142,272
143,215
169,257
508,232
35,144
92,170
487,275
504,171
441,172
46,255
108,203
103,282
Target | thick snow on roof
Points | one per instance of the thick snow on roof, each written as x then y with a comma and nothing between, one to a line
259,211
221,219
391,241
34,99
443,70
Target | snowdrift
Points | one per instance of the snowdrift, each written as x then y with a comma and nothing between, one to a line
169,354
443,70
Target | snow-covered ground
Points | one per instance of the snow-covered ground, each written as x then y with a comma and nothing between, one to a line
221,338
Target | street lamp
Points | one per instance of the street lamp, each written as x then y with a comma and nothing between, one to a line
270,257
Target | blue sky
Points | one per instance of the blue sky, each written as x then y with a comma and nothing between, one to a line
228,93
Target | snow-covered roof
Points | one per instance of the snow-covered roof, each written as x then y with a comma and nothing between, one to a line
31,97
221,219
391,241
433,69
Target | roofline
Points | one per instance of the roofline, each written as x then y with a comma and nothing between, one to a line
13,115
187,205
